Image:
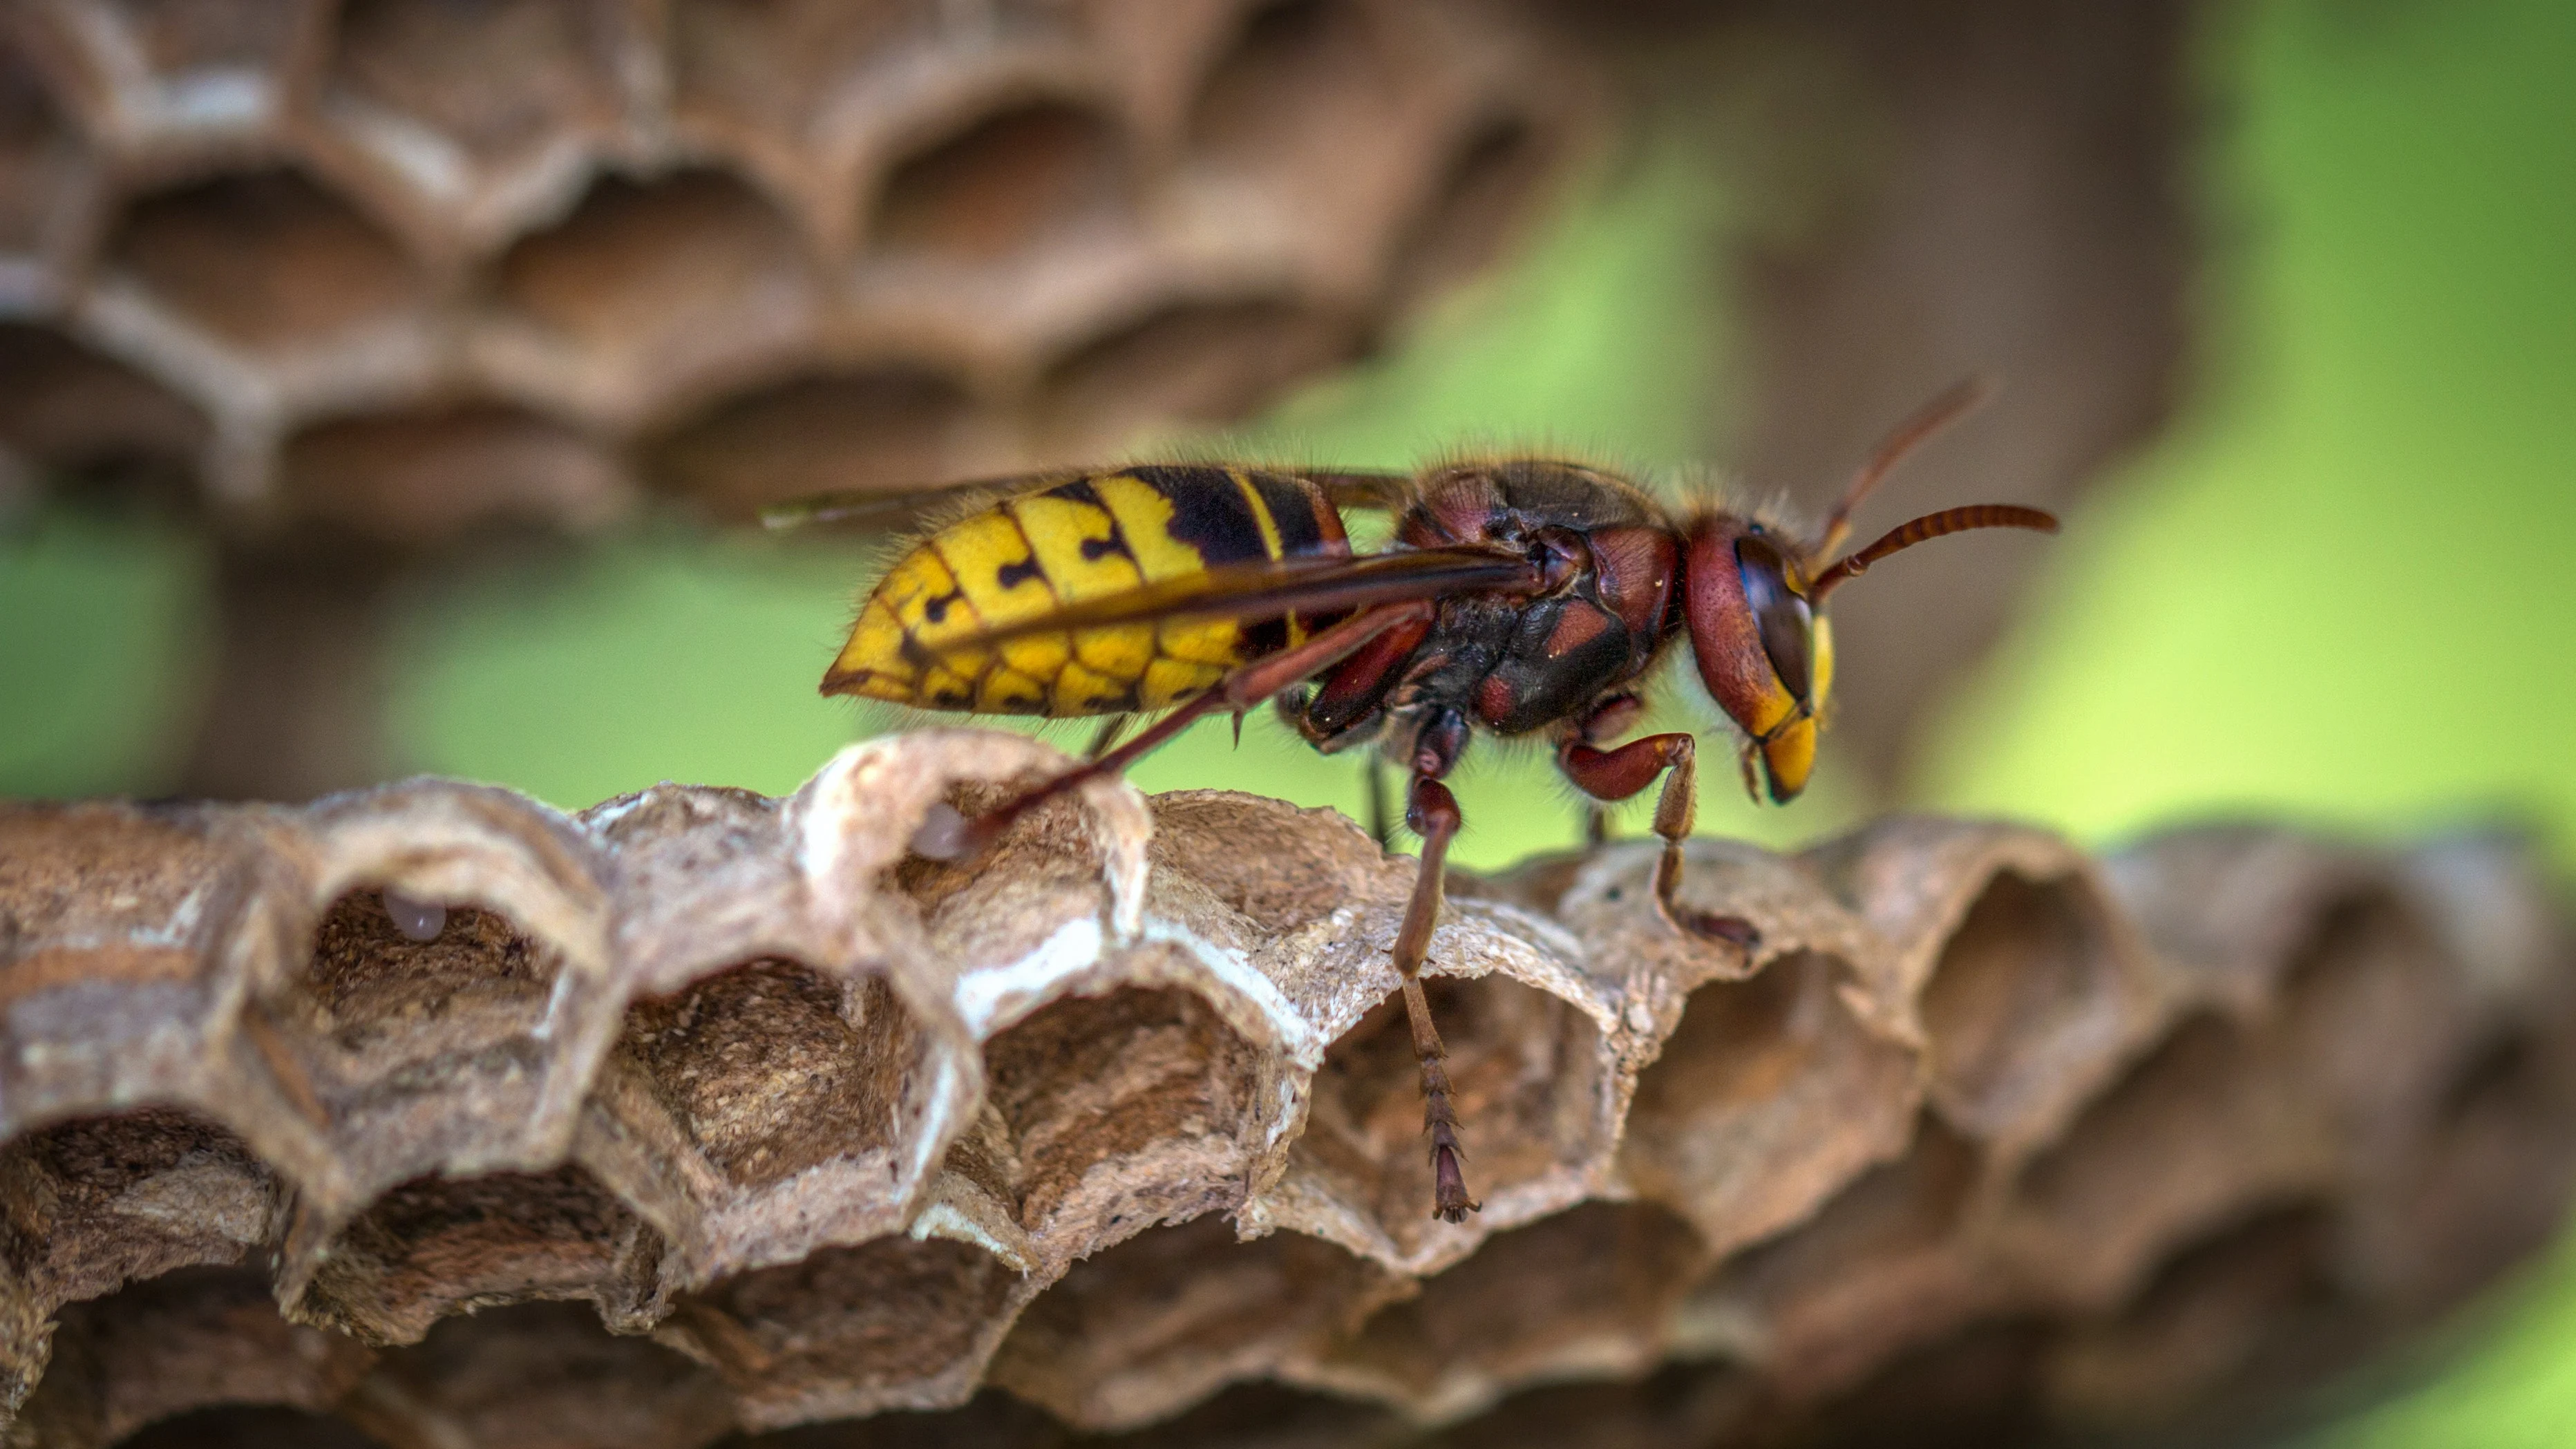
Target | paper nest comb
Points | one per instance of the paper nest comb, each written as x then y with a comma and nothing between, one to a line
706,1113
408,267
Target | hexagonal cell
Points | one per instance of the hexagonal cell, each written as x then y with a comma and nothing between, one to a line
1766,1099
266,261
2208,1125
1302,76
422,1040
1142,1330
1250,1416
896,1323
1033,173
189,73
650,292
181,1344
1197,362
1584,1294
772,1067
1107,1114
484,112
540,1374
47,184
430,476
2255,1298
892,426
2486,1187
2372,1013
441,1245
1877,1270
96,1202
1978,1386
1686,1403
759,73
90,420
2025,1002
1474,215
1526,1076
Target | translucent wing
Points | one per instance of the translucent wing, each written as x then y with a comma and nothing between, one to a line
870,510
1271,588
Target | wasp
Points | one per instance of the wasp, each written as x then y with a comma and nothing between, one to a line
1521,596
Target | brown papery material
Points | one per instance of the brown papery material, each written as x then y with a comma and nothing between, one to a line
702,1113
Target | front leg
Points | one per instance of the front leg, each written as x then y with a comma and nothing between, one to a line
1620,773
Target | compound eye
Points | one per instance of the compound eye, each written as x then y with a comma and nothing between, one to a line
1786,623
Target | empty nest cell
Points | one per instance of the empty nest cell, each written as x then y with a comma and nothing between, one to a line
189,74
2028,990
45,183
186,1342
1299,75
883,427
656,290
1142,1330
1107,1114
895,1323
1192,362
433,1247
411,1032
763,71
1586,1293
772,1068
1473,213
543,1376
1880,1268
2371,1011
1768,1097
438,474
266,261
92,421
1526,1076
484,83
95,1202
2209,1120
2254,1298
1031,174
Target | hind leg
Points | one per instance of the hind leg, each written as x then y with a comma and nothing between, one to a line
1432,812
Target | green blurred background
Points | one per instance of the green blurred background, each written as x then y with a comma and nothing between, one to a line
2337,587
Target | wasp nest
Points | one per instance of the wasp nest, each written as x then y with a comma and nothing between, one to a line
459,1120
406,266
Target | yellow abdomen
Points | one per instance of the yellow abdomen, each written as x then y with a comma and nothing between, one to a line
1078,541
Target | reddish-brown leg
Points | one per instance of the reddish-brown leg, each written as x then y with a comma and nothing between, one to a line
1432,812
1620,773
1241,690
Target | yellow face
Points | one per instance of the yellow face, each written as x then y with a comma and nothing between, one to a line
1789,754
1779,696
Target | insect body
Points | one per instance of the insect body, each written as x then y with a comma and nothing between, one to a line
1079,541
1520,597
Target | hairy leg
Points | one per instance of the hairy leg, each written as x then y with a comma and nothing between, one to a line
1619,773
1432,812
1246,687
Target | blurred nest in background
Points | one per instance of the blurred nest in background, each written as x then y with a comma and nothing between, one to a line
356,281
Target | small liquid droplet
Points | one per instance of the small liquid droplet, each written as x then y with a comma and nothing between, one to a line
417,920
942,835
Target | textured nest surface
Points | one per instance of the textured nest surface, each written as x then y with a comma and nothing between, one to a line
406,267
705,1113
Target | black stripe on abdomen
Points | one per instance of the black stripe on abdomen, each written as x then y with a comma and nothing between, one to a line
1209,512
